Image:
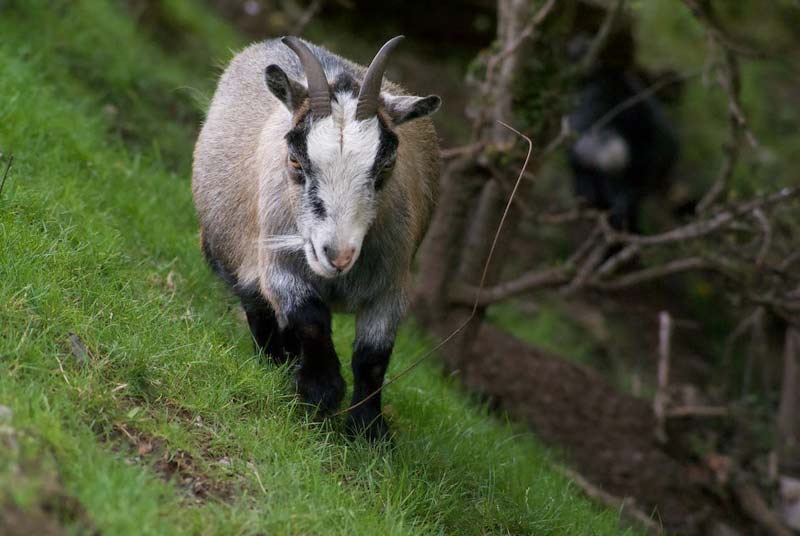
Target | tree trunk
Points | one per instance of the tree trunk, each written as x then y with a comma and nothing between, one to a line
439,254
473,198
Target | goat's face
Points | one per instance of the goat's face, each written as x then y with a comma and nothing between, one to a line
336,167
337,164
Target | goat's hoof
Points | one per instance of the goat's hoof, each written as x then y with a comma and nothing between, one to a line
321,391
368,424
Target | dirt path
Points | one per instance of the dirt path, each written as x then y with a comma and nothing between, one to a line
606,434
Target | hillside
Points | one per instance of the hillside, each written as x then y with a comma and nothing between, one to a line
132,401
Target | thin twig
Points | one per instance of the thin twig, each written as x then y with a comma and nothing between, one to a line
650,274
63,373
712,224
642,95
537,19
462,150
756,508
587,268
718,34
766,235
568,216
601,37
5,174
625,506
258,477
698,411
308,14
564,135
624,255
741,328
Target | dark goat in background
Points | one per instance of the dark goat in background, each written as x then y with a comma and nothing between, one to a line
625,148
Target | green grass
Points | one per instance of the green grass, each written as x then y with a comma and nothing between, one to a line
549,327
98,238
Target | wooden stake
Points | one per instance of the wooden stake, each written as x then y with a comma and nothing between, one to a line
662,395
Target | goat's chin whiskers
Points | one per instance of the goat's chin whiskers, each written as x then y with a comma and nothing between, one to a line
283,243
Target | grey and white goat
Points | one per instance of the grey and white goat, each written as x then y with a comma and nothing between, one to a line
314,182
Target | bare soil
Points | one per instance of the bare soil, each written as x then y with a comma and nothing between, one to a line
176,465
607,435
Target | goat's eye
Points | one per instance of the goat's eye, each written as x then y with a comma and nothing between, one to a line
296,171
387,166
383,172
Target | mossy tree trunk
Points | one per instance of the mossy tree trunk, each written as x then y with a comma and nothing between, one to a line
475,185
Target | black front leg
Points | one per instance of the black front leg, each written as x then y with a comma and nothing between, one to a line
319,378
263,326
369,368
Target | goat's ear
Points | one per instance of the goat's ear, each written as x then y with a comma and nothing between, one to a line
406,108
290,93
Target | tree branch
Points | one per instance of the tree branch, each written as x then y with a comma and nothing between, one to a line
709,225
650,274
601,37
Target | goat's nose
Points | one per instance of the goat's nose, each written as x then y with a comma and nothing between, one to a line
339,259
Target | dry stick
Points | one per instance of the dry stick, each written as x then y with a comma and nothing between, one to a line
646,93
601,37
739,331
656,272
757,353
625,505
5,175
447,339
788,408
610,266
766,239
698,411
462,150
305,18
592,261
718,34
568,216
756,508
660,400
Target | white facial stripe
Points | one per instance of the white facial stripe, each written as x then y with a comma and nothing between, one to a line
342,152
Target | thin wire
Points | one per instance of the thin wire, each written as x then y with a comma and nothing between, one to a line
486,265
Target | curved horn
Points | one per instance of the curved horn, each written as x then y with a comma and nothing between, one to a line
319,93
371,86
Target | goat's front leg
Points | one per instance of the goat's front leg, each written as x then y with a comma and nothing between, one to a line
306,328
376,329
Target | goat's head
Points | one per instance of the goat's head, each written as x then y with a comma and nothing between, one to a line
342,149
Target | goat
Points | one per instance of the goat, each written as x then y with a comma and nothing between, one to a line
314,181
618,162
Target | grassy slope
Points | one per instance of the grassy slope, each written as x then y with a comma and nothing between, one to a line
94,219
